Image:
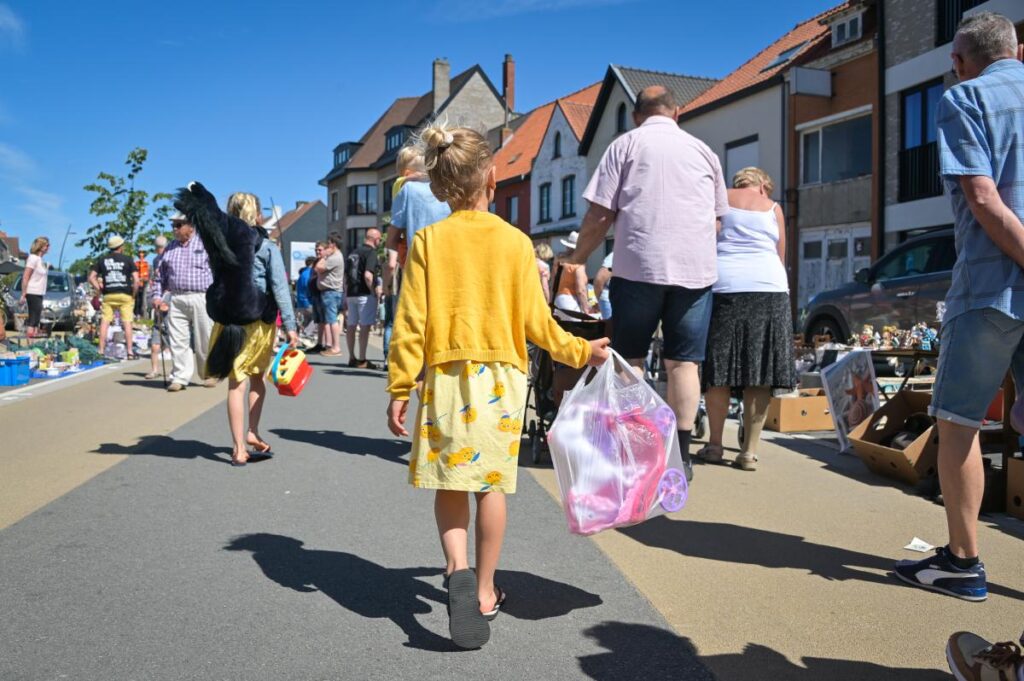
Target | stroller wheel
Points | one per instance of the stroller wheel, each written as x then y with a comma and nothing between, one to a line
741,433
700,426
531,429
538,446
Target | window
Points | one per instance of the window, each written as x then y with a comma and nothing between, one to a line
354,238
740,154
948,16
918,110
812,250
840,151
846,30
558,146
569,196
386,194
394,140
545,203
620,119
908,263
362,199
784,57
512,209
340,157
335,215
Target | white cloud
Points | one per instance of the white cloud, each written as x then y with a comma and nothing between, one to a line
16,165
20,173
12,28
461,11
45,207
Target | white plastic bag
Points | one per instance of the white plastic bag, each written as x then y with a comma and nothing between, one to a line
615,451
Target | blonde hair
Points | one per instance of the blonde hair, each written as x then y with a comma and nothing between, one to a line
410,159
38,244
543,251
753,177
245,207
457,160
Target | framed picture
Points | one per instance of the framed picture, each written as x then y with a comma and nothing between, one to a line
852,392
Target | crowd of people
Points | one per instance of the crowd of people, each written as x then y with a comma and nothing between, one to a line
463,293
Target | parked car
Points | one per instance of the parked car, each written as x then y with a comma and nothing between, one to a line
59,302
908,285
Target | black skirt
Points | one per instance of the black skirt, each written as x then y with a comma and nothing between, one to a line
750,342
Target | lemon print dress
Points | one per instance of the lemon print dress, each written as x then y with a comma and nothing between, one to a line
469,427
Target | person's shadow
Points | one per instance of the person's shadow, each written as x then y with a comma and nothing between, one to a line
737,544
641,651
162,445
375,591
388,449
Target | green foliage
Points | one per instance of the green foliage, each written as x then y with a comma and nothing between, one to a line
80,267
133,214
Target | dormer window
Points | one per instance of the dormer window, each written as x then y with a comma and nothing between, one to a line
784,57
847,30
340,157
558,146
394,140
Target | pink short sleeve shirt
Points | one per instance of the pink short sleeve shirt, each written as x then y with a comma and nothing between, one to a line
667,190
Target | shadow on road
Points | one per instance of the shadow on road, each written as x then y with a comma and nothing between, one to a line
162,445
339,441
644,652
747,545
375,591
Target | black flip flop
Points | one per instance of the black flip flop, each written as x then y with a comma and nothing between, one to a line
467,625
489,616
256,456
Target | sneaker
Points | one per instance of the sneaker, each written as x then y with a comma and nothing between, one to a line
939,574
972,658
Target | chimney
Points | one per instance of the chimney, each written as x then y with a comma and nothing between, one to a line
508,85
442,82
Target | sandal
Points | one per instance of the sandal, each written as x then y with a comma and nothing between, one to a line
151,375
489,616
468,627
711,453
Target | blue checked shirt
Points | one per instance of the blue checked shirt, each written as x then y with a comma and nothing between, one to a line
981,132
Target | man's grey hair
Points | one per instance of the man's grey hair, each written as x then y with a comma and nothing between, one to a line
988,36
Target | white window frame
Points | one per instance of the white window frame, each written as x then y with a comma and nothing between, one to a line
850,36
819,124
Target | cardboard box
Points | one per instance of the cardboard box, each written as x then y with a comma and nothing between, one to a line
804,411
909,465
1015,487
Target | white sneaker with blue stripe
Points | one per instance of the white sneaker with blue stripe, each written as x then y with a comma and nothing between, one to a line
939,574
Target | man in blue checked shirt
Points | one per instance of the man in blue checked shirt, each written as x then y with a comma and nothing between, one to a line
981,156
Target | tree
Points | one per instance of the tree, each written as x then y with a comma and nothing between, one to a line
80,267
136,215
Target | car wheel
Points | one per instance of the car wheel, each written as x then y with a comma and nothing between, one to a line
825,325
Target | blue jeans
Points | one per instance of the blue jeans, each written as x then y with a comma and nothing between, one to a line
977,348
332,304
389,322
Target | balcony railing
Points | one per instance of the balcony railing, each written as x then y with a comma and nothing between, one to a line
919,172
948,14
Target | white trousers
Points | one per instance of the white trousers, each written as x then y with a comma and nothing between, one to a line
188,327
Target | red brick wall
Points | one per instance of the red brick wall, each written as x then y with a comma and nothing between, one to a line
520,189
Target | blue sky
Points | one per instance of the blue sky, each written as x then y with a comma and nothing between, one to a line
253,96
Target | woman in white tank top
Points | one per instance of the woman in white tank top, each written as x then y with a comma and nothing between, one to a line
750,342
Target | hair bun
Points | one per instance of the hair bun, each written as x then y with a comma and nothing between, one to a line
437,137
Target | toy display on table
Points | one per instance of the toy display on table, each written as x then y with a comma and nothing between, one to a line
919,337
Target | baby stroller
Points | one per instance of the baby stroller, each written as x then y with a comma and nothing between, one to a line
541,395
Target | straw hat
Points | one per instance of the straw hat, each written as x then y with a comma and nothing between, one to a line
115,242
570,242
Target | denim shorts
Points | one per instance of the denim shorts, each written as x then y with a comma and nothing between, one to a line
977,348
332,304
684,314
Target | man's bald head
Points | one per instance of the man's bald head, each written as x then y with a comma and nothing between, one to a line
655,100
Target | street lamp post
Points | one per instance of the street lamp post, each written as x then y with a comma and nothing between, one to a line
60,260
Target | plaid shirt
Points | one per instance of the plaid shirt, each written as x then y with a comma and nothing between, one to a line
183,268
979,133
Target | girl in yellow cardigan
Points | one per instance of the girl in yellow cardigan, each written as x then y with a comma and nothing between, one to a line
470,301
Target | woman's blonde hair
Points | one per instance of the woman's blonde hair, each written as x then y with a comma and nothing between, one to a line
245,207
457,160
38,244
753,177
410,158
543,251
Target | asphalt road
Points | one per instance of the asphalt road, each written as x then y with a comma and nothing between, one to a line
320,564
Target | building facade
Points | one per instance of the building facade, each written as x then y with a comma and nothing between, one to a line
306,224
916,41
363,171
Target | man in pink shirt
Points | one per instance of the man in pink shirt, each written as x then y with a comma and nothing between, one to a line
663,190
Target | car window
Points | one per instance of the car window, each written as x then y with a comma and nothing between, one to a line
910,262
57,283
943,257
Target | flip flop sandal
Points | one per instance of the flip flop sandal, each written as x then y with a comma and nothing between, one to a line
466,624
489,616
255,455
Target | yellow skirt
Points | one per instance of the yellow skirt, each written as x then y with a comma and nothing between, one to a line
468,428
257,351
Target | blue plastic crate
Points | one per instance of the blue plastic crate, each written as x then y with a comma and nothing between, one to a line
14,371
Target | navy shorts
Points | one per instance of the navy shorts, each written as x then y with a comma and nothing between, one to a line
684,314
